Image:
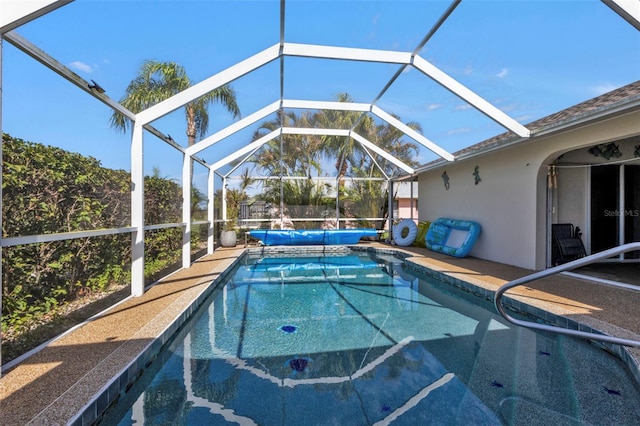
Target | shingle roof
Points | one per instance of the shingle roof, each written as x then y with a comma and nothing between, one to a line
608,101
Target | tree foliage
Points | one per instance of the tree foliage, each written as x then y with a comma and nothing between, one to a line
158,81
48,190
309,155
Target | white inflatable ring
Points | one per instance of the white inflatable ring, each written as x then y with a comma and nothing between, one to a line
412,229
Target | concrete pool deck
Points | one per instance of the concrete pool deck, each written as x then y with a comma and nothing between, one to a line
53,385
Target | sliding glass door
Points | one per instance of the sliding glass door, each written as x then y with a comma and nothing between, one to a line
615,207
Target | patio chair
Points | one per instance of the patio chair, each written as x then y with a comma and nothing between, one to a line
567,245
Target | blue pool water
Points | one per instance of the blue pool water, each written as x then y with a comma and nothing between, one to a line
360,339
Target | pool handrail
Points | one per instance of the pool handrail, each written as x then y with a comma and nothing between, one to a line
562,268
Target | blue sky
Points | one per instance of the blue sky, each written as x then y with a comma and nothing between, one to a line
528,58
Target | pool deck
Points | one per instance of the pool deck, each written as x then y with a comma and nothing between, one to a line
54,384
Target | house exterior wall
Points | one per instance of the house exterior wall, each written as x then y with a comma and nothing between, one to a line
407,208
510,201
502,202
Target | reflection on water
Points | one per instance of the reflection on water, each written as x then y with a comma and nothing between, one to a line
324,340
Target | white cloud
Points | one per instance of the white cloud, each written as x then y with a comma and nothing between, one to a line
375,19
432,107
503,73
462,107
458,131
80,66
468,70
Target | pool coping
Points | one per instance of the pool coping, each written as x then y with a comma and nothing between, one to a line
117,386
91,403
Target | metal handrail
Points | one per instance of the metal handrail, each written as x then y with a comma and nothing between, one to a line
556,270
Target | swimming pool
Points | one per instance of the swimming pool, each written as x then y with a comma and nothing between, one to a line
363,339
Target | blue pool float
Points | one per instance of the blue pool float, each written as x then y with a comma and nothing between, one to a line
453,237
412,231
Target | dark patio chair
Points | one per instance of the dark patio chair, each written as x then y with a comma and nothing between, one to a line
567,245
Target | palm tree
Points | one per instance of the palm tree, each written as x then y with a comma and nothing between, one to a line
300,153
304,154
158,81
344,150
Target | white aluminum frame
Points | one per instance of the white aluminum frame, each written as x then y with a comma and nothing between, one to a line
629,10
14,13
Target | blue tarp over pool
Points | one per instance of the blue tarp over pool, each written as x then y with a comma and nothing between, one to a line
291,237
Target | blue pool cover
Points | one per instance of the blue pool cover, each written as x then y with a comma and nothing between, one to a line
293,237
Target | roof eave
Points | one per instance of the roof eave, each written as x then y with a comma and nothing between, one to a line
622,107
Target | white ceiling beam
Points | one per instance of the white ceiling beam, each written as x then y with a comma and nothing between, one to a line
233,128
14,13
411,133
364,148
336,106
362,107
381,152
346,53
476,101
629,10
194,92
345,106
241,162
347,133
314,131
247,148
419,47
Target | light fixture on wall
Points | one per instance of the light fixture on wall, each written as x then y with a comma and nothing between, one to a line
445,179
476,175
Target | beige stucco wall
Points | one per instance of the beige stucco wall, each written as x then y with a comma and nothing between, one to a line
510,202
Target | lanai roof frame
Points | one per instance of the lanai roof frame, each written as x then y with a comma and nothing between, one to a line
23,12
